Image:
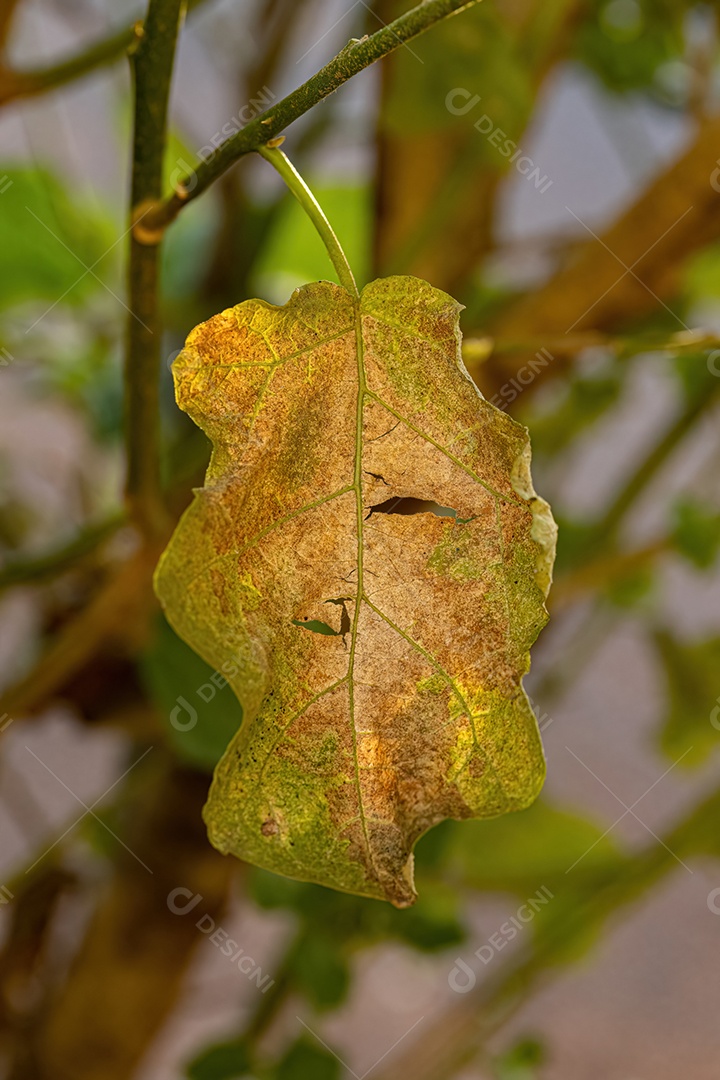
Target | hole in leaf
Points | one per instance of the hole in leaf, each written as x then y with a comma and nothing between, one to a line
415,506
345,623
316,627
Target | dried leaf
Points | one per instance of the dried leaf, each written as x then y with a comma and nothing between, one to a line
367,565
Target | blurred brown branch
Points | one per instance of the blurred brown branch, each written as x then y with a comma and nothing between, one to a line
127,975
671,219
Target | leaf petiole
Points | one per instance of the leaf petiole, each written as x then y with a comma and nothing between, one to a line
314,211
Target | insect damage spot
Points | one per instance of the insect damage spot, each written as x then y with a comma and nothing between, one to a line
377,476
316,626
410,505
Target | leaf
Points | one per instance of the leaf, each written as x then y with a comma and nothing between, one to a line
306,1060
225,1061
49,240
691,727
324,414
319,969
518,854
696,532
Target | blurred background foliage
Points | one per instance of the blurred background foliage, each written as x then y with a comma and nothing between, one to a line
624,424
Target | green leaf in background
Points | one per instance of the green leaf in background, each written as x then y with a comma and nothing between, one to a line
319,969
691,727
696,532
476,54
199,709
521,1061
627,42
37,265
522,852
225,1061
433,923
307,1060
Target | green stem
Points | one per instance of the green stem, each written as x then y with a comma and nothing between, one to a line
314,211
651,464
355,57
152,70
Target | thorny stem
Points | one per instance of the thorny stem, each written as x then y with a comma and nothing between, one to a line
152,65
314,211
355,57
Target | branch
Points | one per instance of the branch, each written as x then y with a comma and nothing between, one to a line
152,70
41,567
651,464
677,214
355,57
127,973
456,1036
118,615
24,84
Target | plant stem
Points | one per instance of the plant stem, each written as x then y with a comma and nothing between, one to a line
355,57
152,69
651,464
24,84
20,571
315,212
453,1039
